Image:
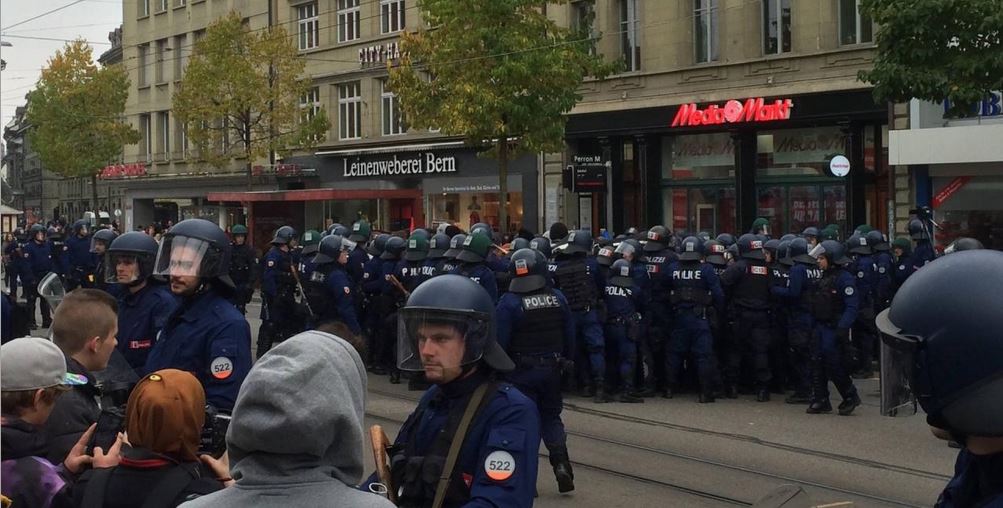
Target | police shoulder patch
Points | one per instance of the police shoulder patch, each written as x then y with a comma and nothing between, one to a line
499,465
848,290
347,290
881,269
860,274
221,367
271,262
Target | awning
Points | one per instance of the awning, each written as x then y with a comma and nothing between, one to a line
315,195
6,210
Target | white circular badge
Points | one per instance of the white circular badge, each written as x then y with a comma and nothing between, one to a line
499,465
839,165
221,367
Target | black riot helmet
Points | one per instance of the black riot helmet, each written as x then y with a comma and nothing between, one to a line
630,247
619,274
378,245
784,253
394,248
579,242
810,231
605,255
963,243
285,235
917,230
35,229
455,245
704,236
771,246
750,247
877,241
691,249
81,227
798,252
528,269
338,229
195,248
659,238
541,244
458,305
519,243
438,245
134,247
331,247
633,232
714,252
419,233
857,244
726,239
481,227
101,239
558,233
940,349
54,234
833,250
360,231
788,237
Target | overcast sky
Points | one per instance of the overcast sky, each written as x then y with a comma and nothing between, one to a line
90,19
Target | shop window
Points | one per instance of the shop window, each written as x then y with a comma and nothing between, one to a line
973,210
630,46
710,209
705,30
348,20
804,208
632,193
834,204
799,152
776,26
698,157
772,206
854,27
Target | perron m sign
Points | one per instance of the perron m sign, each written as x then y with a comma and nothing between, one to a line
733,111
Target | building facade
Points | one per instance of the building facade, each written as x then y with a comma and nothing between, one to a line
725,110
35,190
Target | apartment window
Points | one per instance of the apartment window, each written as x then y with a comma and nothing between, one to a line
144,51
854,27
143,8
180,3
310,103
158,71
392,15
630,46
309,26
393,121
583,17
348,20
145,130
224,126
181,52
180,138
349,111
162,5
776,26
705,30
164,140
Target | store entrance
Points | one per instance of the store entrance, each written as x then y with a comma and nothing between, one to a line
792,207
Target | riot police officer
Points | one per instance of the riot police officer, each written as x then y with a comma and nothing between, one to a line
794,294
749,282
624,301
100,241
243,264
81,262
329,288
658,260
760,226
864,331
833,302
372,287
37,264
413,269
449,262
448,331
392,296
904,266
472,260
437,247
577,276
923,252
144,305
535,327
541,244
946,353
694,288
811,234
60,252
278,290
311,245
206,335
358,257
883,261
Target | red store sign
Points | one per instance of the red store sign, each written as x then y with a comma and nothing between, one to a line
123,170
733,111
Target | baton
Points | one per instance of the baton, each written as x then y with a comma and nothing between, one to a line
380,444
397,284
299,287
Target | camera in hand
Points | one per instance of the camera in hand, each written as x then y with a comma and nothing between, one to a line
214,432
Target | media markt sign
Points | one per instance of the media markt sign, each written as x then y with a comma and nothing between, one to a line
419,164
733,111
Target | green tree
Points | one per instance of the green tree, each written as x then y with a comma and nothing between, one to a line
499,73
76,114
936,50
244,85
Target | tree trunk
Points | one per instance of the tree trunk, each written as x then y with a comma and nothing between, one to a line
246,134
503,185
94,197
250,176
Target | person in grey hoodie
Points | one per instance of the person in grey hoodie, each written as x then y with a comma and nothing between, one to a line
296,437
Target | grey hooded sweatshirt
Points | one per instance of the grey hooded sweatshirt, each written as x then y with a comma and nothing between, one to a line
296,438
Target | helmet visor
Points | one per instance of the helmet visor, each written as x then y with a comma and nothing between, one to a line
51,288
440,340
898,357
817,251
183,256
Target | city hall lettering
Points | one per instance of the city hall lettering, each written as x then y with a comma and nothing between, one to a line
420,165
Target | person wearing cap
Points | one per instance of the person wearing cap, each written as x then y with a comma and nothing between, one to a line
84,327
448,331
164,420
472,260
243,267
206,335
34,378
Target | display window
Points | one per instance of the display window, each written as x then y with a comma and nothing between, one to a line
467,208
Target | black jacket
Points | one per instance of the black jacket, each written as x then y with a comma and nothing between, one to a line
138,475
75,411
28,479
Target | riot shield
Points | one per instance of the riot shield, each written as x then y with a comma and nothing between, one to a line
51,288
898,355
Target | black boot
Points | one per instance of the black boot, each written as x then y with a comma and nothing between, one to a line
731,391
562,469
819,407
763,395
849,404
649,388
395,377
667,393
601,396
